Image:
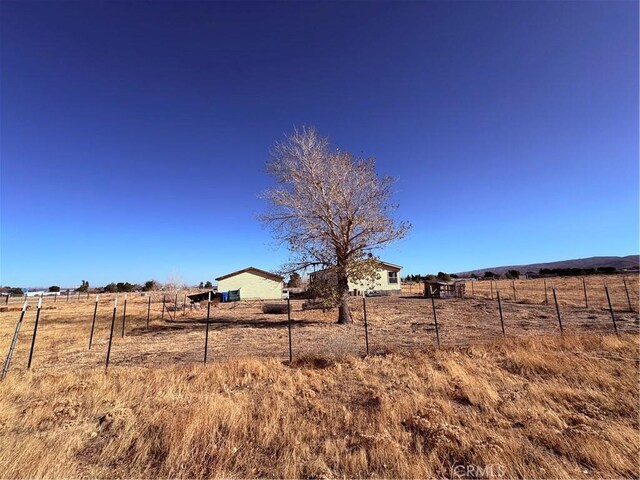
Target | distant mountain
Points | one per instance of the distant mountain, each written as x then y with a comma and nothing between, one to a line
620,263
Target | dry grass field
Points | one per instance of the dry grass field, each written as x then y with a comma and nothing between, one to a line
532,404
570,290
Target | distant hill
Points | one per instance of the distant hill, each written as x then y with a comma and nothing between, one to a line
620,263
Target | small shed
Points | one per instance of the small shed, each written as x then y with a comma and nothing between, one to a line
444,289
253,283
203,296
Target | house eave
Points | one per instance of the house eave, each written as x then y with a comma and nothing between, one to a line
254,270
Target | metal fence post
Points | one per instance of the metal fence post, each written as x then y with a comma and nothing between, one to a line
148,311
124,315
206,337
626,289
93,323
555,299
366,325
613,317
289,328
7,362
435,319
35,331
584,288
113,323
500,308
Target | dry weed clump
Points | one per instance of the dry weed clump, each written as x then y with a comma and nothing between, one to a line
533,407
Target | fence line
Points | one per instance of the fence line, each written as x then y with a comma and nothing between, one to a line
161,299
80,297
575,291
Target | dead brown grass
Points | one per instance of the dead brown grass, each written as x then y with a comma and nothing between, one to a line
570,290
396,324
536,407
531,405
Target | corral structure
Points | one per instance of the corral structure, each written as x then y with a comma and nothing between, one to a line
253,283
444,289
388,281
203,296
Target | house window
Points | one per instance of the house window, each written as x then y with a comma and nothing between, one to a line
393,277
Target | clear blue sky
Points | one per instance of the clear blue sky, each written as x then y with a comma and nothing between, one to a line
134,135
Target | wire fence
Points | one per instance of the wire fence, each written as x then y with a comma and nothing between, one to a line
585,292
154,329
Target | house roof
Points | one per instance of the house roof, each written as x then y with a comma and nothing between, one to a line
255,271
392,265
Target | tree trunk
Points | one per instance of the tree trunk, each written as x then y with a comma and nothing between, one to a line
344,313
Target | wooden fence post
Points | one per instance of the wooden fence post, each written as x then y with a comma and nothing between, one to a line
35,332
184,305
164,301
491,285
513,284
546,297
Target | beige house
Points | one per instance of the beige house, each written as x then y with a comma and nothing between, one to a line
253,283
387,283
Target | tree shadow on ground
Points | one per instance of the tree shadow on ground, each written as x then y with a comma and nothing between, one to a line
222,323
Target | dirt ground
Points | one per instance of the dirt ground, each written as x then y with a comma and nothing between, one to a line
532,405
395,323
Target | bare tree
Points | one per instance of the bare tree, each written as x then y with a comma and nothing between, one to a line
330,208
